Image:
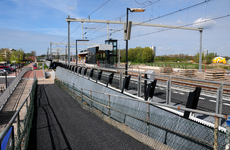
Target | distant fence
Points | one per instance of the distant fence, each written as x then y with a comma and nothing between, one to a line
10,89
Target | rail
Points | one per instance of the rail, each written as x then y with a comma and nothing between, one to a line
10,89
16,135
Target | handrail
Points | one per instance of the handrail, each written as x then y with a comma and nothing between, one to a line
6,94
12,120
155,103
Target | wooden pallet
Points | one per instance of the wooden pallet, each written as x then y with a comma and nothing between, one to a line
166,70
215,75
187,73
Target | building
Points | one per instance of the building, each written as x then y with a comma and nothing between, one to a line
104,55
205,53
154,50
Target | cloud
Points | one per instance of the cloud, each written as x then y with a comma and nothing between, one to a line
179,22
204,23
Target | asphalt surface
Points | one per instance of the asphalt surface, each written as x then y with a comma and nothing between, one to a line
61,123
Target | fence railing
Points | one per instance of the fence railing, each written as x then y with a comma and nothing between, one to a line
10,89
17,131
219,91
149,123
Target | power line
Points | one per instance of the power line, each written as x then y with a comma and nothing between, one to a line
180,10
177,11
89,17
183,26
98,8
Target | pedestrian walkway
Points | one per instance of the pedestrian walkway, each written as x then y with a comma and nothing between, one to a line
61,123
30,74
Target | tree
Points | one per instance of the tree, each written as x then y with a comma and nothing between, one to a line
209,57
17,56
147,55
5,54
197,57
33,53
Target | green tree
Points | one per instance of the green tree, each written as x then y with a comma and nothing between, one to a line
209,57
197,57
5,54
147,55
17,56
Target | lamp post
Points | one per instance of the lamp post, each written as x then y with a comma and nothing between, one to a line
76,48
127,19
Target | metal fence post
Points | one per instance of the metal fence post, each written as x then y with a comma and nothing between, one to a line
18,126
139,86
81,95
120,81
109,104
91,99
219,101
73,89
168,91
215,146
148,115
227,140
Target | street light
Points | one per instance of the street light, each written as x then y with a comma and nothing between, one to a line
76,49
131,10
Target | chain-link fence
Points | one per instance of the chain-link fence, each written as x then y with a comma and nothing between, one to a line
16,133
149,122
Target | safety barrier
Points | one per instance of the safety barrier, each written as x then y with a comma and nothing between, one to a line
16,135
10,89
151,121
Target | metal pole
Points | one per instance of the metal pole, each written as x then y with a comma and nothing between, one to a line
66,55
51,49
148,116
119,55
15,70
120,81
200,59
91,103
68,41
168,92
126,57
5,76
139,86
109,104
76,53
82,30
107,31
215,147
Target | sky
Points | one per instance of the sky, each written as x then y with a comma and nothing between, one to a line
33,24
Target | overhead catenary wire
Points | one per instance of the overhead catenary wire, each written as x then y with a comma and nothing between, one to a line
86,17
177,11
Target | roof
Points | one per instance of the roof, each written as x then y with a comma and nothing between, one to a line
103,46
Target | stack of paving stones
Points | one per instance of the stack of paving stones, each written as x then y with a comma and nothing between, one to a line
166,70
187,73
215,75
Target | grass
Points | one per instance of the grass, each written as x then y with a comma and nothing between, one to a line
184,65
40,65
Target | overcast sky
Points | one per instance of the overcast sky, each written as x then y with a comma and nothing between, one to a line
33,24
